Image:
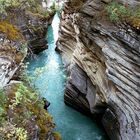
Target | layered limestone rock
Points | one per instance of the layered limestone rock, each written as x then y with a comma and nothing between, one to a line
33,28
10,60
103,63
22,111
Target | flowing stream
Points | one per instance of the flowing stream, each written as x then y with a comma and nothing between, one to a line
50,80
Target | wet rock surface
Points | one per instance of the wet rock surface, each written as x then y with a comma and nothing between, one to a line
102,60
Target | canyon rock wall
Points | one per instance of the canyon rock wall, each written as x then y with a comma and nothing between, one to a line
15,113
13,52
12,55
103,64
22,33
33,28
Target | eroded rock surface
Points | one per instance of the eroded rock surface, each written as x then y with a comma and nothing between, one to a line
10,61
103,62
34,30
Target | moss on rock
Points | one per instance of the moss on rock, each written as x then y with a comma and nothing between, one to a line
23,110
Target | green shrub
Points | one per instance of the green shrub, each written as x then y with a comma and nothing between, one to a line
76,4
11,132
19,105
137,12
6,5
11,31
117,11
3,100
57,136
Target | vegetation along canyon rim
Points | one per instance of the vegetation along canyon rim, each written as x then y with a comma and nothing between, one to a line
83,68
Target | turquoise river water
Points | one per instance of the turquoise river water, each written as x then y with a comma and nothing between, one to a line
50,78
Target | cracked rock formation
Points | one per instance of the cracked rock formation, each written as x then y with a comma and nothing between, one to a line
10,61
33,29
103,63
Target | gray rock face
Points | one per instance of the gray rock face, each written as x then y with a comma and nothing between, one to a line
10,61
34,30
103,62
77,84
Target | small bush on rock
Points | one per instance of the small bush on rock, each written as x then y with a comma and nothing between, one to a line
76,4
22,114
11,132
119,12
11,32
57,136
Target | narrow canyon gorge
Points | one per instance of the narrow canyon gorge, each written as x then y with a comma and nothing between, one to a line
93,91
